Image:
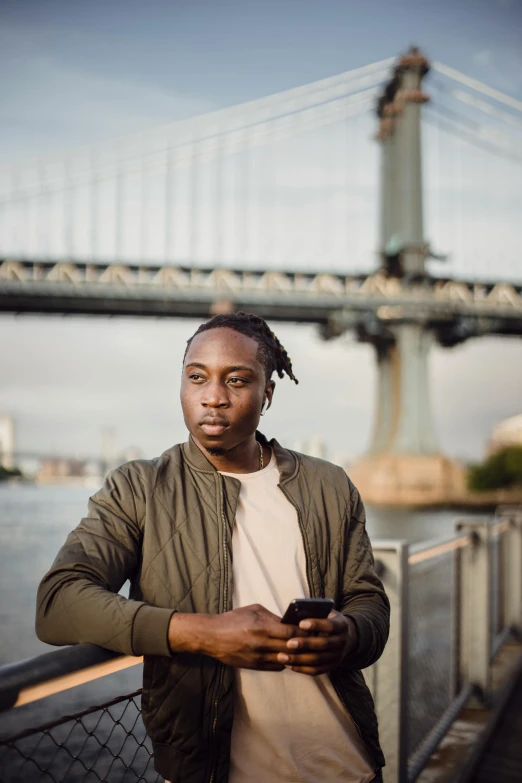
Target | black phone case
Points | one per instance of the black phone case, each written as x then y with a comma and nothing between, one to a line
307,608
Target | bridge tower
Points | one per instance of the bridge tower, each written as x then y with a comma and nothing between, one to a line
404,458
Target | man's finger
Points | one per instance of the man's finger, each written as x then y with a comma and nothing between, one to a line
317,643
334,624
309,659
283,631
267,645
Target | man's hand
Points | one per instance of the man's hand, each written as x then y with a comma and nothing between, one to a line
320,654
250,637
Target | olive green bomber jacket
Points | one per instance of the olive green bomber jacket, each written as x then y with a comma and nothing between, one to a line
166,525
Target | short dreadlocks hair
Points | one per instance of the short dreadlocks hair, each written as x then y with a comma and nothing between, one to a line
270,352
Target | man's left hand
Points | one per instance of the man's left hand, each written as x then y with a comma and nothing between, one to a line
319,654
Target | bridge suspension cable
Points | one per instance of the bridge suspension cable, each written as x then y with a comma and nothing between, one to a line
204,183
285,181
247,113
473,194
483,106
475,133
499,96
209,147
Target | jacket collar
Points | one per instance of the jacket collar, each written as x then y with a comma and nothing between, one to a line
287,461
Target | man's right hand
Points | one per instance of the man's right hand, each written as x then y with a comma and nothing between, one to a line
249,637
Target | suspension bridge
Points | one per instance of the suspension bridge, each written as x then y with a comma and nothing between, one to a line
383,201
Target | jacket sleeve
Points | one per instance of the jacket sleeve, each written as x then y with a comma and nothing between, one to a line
364,599
78,598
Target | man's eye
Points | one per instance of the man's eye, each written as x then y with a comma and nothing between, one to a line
195,377
237,381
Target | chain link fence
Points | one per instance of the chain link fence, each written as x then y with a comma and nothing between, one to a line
103,743
497,554
431,624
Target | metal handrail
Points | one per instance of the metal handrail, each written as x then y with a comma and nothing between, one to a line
36,678
431,549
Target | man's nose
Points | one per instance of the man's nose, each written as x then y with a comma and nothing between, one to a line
215,396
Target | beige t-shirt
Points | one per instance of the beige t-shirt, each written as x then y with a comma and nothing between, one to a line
288,727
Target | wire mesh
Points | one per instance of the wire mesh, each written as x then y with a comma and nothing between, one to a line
433,589
105,742
497,545
494,592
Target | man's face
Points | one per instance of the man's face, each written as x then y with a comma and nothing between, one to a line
222,388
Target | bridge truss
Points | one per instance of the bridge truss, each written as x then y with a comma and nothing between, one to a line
454,309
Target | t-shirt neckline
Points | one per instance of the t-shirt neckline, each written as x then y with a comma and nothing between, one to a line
249,476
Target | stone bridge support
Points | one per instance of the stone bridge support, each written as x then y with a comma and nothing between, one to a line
403,421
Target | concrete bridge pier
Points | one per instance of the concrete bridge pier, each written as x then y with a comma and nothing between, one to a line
403,417
404,464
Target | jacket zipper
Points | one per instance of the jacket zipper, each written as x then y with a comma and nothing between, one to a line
309,580
225,607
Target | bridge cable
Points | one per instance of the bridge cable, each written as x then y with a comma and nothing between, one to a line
373,71
471,137
359,105
480,105
452,73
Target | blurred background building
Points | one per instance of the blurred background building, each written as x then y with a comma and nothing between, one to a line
7,441
506,433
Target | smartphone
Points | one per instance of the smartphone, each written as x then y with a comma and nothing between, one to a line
307,608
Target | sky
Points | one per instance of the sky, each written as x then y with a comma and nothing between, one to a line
85,71
82,72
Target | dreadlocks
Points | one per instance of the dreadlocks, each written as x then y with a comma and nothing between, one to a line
271,353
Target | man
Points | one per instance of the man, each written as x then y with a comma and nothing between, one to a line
216,537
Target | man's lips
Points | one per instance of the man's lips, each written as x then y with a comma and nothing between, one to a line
213,426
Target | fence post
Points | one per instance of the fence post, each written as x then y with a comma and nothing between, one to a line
475,609
388,677
512,582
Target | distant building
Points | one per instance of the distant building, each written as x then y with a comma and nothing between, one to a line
55,469
506,433
7,441
314,447
131,453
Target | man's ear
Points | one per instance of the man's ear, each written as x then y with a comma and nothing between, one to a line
269,393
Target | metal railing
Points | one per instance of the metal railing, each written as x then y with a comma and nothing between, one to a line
103,742
454,603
